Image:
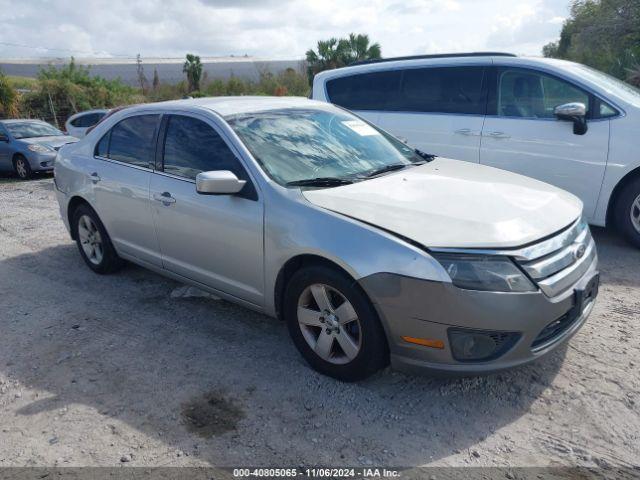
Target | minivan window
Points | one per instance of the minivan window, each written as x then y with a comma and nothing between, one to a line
530,94
132,140
454,90
369,91
191,146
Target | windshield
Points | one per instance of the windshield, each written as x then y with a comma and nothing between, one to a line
299,144
611,84
31,130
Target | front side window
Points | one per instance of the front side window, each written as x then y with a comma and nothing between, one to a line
20,130
529,94
293,145
191,146
132,140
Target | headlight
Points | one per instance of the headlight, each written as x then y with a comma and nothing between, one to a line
35,147
483,272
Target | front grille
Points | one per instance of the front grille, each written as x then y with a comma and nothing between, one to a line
557,263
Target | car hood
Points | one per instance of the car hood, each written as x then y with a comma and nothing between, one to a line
449,203
54,142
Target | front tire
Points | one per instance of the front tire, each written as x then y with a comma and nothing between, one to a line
22,167
333,324
93,241
627,212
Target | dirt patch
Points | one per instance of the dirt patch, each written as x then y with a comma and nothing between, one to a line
211,414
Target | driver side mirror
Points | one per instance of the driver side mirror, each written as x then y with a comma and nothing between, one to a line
218,182
4,138
573,112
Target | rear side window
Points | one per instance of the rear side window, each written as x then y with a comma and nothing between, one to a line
131,141
429,90
369,91
443,90
102,148
191,146
87,120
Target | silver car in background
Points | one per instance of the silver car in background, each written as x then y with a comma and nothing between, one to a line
28,146
77,125
369,250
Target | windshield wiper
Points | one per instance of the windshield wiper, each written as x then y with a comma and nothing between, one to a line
319,182
387,168
426,156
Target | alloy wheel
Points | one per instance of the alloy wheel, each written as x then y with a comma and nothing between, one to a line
329,324
21,168
634,214
90,239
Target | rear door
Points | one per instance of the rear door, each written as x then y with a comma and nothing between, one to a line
439,110
120,173
216,240
523,136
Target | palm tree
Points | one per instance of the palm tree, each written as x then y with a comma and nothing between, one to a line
336,53
193,68
357,48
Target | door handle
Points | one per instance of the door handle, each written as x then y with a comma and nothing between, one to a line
498,135
467,132
95,178
165,198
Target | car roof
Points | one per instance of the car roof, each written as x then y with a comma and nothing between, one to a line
22,120
441,60
229,106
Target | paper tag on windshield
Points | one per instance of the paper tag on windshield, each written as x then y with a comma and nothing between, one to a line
360,128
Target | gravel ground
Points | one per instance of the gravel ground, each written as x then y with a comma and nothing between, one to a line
111,370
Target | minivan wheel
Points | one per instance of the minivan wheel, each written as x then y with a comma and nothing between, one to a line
628,212
333,324
22,167
93,241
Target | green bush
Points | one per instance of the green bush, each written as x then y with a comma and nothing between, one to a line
59,92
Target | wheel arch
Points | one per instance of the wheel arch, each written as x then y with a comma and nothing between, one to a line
74,203
613,199
294,264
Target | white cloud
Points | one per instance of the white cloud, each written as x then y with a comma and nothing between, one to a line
271,28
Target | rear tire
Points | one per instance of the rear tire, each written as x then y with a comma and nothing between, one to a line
22,168
627,213
340,334
93,241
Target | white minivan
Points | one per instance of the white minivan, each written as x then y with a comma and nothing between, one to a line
557,121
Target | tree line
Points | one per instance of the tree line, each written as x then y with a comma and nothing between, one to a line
59,92
604,34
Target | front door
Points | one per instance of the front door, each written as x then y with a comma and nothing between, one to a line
216,240
525,137
5,151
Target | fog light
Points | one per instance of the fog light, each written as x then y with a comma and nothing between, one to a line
477,345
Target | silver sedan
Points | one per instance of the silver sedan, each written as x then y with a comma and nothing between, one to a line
372,252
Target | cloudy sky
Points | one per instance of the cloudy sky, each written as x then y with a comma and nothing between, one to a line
271,28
